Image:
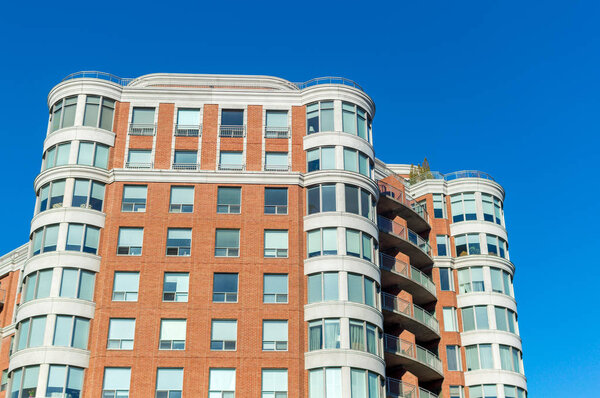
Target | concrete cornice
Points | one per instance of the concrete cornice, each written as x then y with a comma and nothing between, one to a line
14,260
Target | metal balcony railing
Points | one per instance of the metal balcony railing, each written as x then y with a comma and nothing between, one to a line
328,80
238,167
275,167
277,132
186,166
390,263
400,389
389,226
232,131
138,165
98,75
396,304
395,345
182,130
388,190
462,174
142,128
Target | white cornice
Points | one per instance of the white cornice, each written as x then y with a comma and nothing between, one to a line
14,260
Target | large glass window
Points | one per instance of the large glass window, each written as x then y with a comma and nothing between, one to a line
231,160
325,383
276,124
322,242
322,158
479,357
484,391
505,319
83,238
45,239
492,208
37,285
276,200
364,384
126,285
359,244
99,112
179,241
323,286
71,331
275,288
31,332
225,288
130,241
121,332
274,383
93,154
276,161
319,117
323,334
76,283
172,334
88,194
501,281
467,245
64,381
275,335
139,159
363,336
24,382
463,207
321,198
453,356
116,382
362,289
446,279
358,201
51,195
450,322
182,200
496,246
176,286
221,383
134,198
63,113
229,200
276,243
439,205
58,155
227,243
354,120
357,161
471,280
169,382
223,335
188,122
510,358
475,318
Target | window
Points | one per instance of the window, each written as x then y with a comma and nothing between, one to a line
364,384
188,122
169,382
475,318
77,283
142,121
179,241
274,383
125,287
93,154
442,245
116,382
463,207
24,382
501,281
446,279
450,323
227,243
513,392
323,334
31,332
505,319
99,112
182,200
321,198
71,331
362,289
483,391
276,243
277,124
453,356
4,380
121,334
492,208
359,201
363,336
471,280
130,241
322,242
134,198
231,160
320,159
357,161
37,285
323,287
176,286
275,288
225,288
354,120
232,123
467,245
325,383
221,383
58,155
83,238
479,357
496,246
172,334
45,239
276,161
229,200
359,244
510,358
223,335
319,117
139,159
63,113
185,160
276,201
275,336
64,381
88,194
439,205
51,195
456,392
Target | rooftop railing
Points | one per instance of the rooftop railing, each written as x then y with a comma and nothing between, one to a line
462,174
406,348
328,80
389,226
388,190
400,389
395,304
390,263
99,75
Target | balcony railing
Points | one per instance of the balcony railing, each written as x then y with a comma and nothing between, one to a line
390,263
98,75
388,190
389,226
406,348
232,131
400,389
138,165
182,130
396,304
142,128
328,80
276,167
186,166
462,174
238,167
277,132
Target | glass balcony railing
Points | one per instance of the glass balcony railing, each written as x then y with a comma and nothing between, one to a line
390,191
395,345
328,80
98,75
392,264
400,389
392,227
462,174
395,304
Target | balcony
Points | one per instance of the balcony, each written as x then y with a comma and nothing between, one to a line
409,278
277,167
417,360
232,131
410,316
138,165
462,174
395,202
397,236
277,132
232,167
186,166
399,389
328,80
142,129
182,130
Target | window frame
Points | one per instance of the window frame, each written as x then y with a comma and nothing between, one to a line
181,250
276,295
173,345
103,106
319,117
226,294
126,292
131,250
230,208
277,345
181,207
120,340
235,251
136,207
95,159
277,208
223,345
176,293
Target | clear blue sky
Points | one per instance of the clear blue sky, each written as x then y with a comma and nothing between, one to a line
508,87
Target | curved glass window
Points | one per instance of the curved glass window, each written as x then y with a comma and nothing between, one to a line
24,382
471,280
501,281
82,238
57,155
77,283
325,383
37,285
354,120
364,336
319,117
45,239
88,194
322,242
322,158
99,112
359,244
467,245
496,246
64,381
365,384
475,318
357,162
324,334
323,286
463,207
92,154
362,289
321,198
63,113
359,201
31,332
51,195
505,319
71,331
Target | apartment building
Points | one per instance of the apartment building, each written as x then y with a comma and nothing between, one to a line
235,236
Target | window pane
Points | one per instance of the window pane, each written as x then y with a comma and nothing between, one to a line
351,196
277,119
330,286
232,117
314,288
328,158
329,241
314,200
101,159
355,288
328,197
327,116
116,378
143,116
169,379
80,333
86,153
350,160
188,117
68,285
353,242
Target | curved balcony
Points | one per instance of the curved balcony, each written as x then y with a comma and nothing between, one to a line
409,278
396,236
395,202
410,316
417,360
399,389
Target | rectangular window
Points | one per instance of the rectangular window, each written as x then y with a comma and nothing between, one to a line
475,318
82,238
172,334
442,245
467,245
52,195
450,323
362,289
323,287
325,383
354,120
320,159
319,117
225,288
64,381
125,287
176,286
456,392
88,194
93,154
121,333
77,283
510,358
182,200
185,160
276,243
142,121
179,241
274,383
227,243
231,160
232,123
439,205
134,198
275,336
453,355
229,200
139,159
321,198
275,288
37,285
58,155
276,161
130,241
276,124
99,112
223,336
188,123
63,113
446,279
169,382
463,207
276,200
221,383
359,244
501,281
322,242
45,239
471,280
116,382
324,334
71,331
31,332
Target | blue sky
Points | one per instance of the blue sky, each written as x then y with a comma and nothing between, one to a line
510,88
